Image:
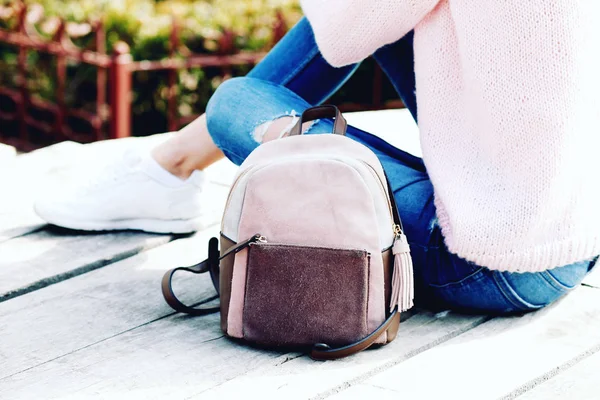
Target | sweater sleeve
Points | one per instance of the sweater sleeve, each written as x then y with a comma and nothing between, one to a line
348,31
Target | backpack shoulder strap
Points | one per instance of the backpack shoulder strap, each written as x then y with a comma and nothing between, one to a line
211,264
321,351
323,111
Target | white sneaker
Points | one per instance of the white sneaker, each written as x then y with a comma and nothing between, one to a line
126,192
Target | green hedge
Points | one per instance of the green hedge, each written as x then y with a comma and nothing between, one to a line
145,25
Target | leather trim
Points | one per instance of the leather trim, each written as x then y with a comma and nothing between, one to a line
392,331
322,351
388,269
322,111
226,268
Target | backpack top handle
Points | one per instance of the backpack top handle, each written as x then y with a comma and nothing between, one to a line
325,111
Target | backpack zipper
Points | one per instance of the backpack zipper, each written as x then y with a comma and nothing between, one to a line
241,246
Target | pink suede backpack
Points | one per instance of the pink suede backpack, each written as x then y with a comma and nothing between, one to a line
313,254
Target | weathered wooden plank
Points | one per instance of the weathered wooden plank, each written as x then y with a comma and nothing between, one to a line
580,382
51,255
181,357
70,315
170,358
501,355
302,378
362,391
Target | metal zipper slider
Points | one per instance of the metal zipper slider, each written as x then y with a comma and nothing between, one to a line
241,246
397,230
261,239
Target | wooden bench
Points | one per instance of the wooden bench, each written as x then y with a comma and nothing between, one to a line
82,316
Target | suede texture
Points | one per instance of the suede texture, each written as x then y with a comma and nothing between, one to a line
288,214
323,146
230,226
388,268
236,300
313,144
298,296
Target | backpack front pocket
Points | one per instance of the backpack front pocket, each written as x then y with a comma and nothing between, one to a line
300,295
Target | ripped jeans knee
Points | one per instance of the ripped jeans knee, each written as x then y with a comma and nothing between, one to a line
275,128
245,112
279,127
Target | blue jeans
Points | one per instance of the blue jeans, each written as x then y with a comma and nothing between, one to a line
293,77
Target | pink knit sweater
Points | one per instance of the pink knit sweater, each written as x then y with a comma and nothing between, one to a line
509,115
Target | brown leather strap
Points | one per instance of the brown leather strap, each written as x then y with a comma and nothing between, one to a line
324,111
321,351
211,264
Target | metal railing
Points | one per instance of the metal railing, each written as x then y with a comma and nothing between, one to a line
112,114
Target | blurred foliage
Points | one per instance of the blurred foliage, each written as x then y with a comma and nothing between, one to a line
145,25
207,27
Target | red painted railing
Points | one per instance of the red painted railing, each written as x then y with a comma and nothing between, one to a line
112,115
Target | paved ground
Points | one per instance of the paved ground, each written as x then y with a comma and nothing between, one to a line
81,316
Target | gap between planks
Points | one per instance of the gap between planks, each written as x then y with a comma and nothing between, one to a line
179,357
579,382
74,314
43,258
501,356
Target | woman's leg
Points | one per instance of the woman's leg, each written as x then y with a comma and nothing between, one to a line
295,62
450,282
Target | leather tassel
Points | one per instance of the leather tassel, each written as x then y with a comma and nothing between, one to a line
402,277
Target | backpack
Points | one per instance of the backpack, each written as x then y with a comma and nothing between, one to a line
313,253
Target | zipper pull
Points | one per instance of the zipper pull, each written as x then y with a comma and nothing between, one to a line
241,246
397,230
402,277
